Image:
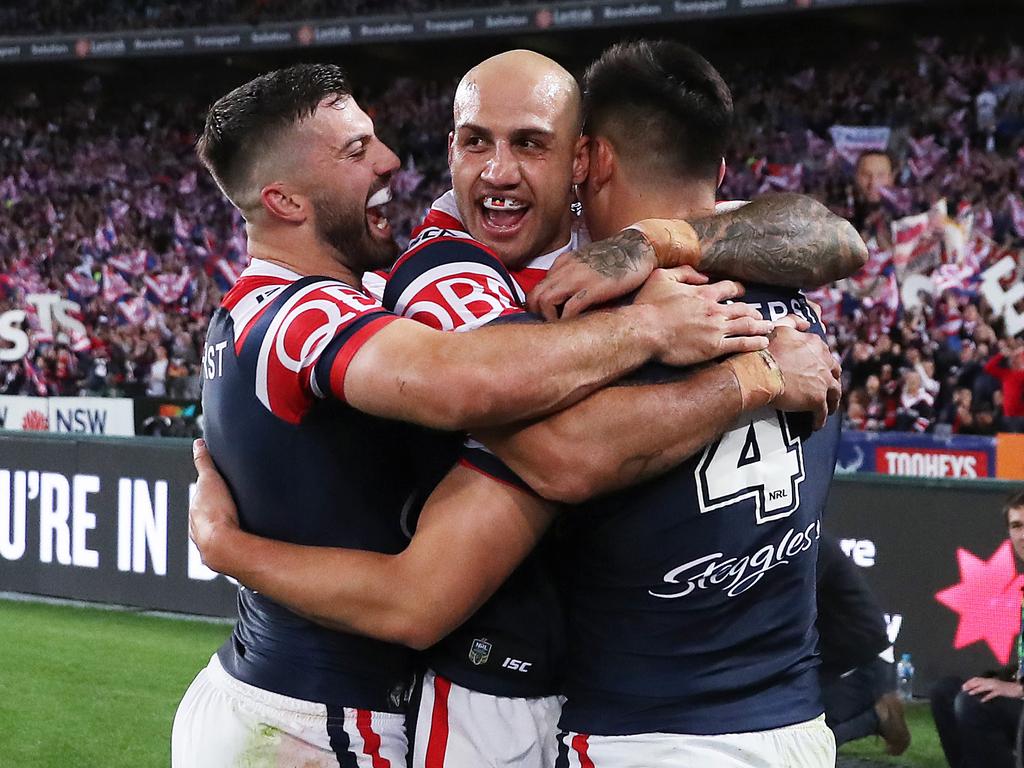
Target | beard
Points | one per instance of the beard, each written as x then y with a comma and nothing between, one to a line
347,231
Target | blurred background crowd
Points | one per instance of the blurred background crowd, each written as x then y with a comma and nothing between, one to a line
920,144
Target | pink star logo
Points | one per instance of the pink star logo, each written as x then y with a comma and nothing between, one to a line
987,599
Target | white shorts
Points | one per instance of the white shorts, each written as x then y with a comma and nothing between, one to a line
223,722
804,745
460,728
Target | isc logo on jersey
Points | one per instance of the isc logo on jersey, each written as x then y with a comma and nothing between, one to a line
457,296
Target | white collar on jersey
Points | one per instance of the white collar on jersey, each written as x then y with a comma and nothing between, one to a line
261,268
446,204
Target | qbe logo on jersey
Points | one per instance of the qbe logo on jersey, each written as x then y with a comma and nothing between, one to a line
759,459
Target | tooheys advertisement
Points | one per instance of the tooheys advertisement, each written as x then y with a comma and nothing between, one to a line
103,520
936,554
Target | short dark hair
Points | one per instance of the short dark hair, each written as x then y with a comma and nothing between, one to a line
241,124
663,100
1016,501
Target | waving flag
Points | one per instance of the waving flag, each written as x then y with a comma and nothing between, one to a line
34,377
955,277
921,167
1017,212
852,141
114,286
133,311
182,233
226,272
898,199
131,264
81,286
167,288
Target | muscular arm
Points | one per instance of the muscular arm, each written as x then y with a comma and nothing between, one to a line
783,239
498,375
494,375
619,436
471,535
624,435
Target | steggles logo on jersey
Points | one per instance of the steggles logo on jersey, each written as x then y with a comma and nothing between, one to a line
480,651
735,575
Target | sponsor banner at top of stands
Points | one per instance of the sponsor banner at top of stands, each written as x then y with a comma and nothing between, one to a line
418,26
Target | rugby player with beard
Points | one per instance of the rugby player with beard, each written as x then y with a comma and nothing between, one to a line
306,380
493,151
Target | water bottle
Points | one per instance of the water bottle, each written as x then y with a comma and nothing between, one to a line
905,678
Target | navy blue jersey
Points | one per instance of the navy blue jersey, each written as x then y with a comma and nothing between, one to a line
513,645
691,599
304,467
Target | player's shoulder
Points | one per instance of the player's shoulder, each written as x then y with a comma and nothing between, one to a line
449,280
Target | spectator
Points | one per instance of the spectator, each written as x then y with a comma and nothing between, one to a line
858,686
872,174
1008,368
977,719
101,201
916,407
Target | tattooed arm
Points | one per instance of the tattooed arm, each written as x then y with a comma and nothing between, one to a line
783,239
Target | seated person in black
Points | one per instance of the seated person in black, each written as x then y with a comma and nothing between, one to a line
977,719
857,684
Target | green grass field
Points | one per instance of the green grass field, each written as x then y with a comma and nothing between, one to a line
924,751
92,688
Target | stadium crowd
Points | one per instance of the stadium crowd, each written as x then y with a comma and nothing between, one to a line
103,201
27,17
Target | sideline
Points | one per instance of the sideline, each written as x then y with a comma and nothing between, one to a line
21,597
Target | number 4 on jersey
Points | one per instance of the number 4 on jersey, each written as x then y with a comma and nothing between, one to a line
757,460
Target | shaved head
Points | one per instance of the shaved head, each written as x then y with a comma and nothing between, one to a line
528,77
516,152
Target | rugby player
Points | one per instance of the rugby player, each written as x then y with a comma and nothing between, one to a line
376,614
305,377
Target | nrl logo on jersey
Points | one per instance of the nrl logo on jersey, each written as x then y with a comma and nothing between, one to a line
480,651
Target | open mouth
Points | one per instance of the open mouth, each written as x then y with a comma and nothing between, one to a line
503,215
376,213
